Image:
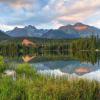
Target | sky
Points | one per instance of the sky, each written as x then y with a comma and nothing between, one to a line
48,14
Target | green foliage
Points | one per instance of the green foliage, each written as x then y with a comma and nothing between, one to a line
48,89
84,44
35,86
88,56
2,64
26,70
8,89
29,85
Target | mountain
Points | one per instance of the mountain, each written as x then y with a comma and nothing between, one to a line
3,35
27,31
59,34
72,31
69,31
82,29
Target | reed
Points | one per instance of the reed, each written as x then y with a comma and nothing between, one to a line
34,86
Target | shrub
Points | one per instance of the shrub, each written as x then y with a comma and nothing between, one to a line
26,70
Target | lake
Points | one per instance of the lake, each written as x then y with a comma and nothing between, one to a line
78,64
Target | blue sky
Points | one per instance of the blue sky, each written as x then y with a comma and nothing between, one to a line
48,13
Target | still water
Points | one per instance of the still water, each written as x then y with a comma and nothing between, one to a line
78,64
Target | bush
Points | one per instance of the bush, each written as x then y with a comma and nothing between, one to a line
26,70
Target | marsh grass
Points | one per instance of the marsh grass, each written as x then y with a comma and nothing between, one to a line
29,85
2,64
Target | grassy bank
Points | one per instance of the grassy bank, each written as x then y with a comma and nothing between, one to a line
29,85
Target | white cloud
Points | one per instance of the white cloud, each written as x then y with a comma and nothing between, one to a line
54,13
8,27
71,11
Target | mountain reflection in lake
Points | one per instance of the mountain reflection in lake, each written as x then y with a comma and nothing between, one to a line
78,64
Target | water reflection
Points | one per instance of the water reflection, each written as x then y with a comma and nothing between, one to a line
28,58
82,70
79,63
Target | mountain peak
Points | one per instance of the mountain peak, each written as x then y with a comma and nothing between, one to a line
30,27
66,27
15,28
78,27
27,31
79,24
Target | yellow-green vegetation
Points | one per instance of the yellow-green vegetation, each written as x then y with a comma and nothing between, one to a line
2,64
29,85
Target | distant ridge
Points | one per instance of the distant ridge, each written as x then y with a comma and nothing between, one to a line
82,29
69,31
3,35
27,31
77,27
60,34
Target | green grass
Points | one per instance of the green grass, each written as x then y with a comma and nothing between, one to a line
29,85
2,64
